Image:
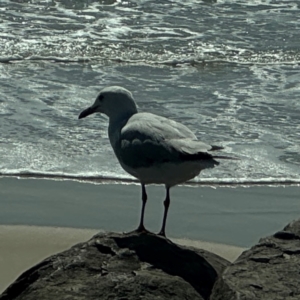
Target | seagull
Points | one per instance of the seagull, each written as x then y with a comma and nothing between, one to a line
152,148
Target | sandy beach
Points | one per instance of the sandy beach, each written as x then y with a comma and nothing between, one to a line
40,217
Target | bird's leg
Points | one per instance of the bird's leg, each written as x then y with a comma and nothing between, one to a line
166,204
141,227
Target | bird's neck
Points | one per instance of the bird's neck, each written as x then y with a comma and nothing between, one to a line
115,126
121,118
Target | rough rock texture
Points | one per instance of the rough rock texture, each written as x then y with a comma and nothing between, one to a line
118,266
269,270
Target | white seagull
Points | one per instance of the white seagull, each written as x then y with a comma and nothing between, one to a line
154,149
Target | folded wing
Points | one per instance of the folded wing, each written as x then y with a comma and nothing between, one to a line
149,139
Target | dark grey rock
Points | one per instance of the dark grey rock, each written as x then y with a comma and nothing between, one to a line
120,266
269,270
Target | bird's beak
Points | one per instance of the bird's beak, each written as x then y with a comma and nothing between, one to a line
90,110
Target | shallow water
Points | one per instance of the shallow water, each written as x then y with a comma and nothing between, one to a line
228,70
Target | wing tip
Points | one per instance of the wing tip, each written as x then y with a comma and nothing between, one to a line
225,157
216,148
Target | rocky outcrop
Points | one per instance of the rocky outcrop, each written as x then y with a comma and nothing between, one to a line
269,270
120,266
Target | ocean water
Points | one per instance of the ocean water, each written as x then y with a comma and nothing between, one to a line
229,70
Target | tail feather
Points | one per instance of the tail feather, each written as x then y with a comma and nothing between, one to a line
216,148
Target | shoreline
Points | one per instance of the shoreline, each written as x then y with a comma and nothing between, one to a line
119,180
235,216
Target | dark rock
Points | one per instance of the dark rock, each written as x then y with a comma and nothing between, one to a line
119,266
269,270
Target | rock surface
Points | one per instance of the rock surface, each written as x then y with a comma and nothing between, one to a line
119,266
269,270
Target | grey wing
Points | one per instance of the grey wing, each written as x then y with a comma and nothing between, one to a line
148,139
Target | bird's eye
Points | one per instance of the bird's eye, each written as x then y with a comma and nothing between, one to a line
100,98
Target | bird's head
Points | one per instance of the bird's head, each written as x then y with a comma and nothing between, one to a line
113,101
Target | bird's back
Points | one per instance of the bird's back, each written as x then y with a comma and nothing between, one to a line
157,127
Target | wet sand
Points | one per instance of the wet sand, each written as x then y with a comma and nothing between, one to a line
40,217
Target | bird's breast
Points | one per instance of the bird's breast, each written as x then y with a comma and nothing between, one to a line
169,174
